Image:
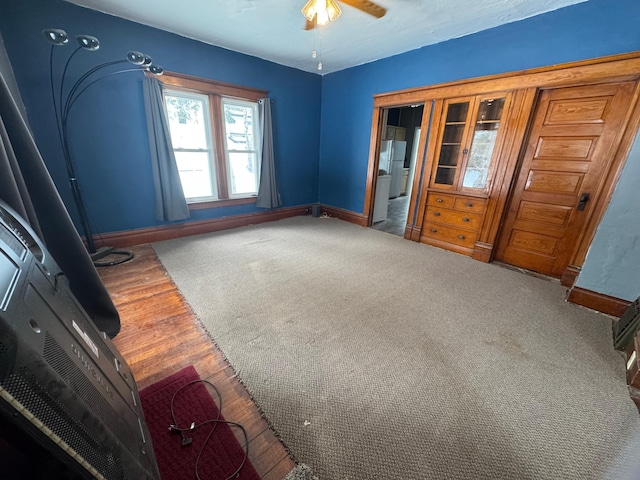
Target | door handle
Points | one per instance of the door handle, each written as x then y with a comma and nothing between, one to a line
584,198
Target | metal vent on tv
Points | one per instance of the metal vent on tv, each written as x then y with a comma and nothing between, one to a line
75,378
12,242
43,408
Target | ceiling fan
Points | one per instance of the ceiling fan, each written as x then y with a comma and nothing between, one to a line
321,12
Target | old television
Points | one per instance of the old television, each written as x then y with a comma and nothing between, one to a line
68,401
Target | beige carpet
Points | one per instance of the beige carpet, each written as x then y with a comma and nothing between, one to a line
379,358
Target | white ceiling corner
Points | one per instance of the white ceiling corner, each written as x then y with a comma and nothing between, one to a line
274,29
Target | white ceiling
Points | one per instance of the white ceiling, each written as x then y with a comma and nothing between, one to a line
274,29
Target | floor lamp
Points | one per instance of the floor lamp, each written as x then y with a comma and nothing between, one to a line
63,102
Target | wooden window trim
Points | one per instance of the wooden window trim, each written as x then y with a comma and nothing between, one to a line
218,146
211,86
227,202
215,90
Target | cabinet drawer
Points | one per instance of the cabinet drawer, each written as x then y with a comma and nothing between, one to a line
469,204
449,235
467,220
441,200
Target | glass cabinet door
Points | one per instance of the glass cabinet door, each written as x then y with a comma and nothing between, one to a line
483,141
451,147
468,138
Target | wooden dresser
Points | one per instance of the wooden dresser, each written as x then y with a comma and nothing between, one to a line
452,221
468,140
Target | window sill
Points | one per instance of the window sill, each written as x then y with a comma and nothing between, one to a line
221,203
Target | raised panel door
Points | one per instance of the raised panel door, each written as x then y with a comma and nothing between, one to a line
569,150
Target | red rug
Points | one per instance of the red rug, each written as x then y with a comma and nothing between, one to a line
222,454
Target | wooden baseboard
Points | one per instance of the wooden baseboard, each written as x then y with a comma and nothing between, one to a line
408,230
412,233
570,275
165,232
598,301
346,215
482,252
635,396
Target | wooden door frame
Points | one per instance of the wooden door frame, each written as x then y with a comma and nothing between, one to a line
379,121
374,156
525,83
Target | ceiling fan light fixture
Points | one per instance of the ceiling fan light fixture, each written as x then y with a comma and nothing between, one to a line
324,11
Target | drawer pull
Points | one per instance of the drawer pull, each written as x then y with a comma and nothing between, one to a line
465,219
436,214
468,205
439,200
434,230
461,237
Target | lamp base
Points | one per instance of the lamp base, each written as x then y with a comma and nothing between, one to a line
119,256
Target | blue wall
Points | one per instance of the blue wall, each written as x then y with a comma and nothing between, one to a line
587,30
592,29
322,124
612,266
108,128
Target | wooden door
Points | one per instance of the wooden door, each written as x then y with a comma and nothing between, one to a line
572,142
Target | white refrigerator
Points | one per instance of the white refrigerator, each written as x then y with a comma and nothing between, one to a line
392,154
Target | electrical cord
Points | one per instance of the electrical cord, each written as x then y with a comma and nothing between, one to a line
174,428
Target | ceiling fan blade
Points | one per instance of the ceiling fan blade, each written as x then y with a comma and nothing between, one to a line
367,7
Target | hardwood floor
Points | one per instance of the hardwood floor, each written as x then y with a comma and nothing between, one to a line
160,335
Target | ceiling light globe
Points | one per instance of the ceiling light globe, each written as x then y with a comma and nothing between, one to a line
324,11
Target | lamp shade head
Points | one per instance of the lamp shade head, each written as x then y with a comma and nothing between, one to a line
135,57
324,11
155,69
88,42
147,61
56,36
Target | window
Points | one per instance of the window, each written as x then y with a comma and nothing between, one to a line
240,133
190,130
215,137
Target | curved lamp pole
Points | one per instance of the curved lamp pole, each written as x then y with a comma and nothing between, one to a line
62,105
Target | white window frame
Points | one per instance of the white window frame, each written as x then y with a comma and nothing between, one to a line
208,136
256,150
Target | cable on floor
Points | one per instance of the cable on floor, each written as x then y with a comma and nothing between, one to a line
215,421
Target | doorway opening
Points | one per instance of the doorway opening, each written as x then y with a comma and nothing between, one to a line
399,142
